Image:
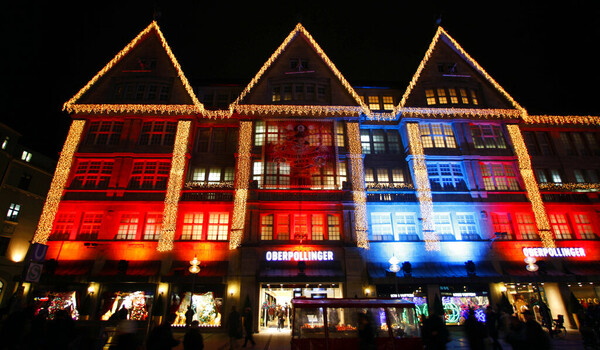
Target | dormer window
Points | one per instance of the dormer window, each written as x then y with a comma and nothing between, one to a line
451,96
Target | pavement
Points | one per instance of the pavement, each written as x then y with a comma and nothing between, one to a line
274,340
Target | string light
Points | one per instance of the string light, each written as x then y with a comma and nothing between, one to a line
57,187
531,186
203,185
174,185
432,242
441,34
242,180
134,109
560,120
389,186
197,107
588,187
358,185
303,111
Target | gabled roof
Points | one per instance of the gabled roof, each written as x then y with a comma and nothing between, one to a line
300,30
441,34
195,106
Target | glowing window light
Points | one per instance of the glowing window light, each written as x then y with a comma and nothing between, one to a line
423,187
358,185
244,163
61,175
174,186
531,186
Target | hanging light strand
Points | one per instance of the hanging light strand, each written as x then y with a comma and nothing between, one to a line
358,185
244,162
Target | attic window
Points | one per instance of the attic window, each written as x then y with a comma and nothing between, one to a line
451,96
299,65
447,68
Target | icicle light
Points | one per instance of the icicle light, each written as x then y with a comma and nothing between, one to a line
430,237
174,186
358,186
531,186
242,180
57,187
561,120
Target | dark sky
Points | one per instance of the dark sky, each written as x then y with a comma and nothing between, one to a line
542,55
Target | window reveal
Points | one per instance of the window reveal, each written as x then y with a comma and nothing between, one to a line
300,226
149,175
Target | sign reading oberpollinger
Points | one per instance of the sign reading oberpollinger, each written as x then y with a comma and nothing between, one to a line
299,255
554,252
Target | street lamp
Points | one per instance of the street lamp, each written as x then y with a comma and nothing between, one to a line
394,268
194,269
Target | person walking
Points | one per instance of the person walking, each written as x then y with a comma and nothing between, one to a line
161,336
435,333
234,328
193,340
492,324
475,331
248,327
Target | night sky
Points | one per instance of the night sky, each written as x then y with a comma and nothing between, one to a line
542,55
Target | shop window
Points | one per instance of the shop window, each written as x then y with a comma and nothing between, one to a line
128,227
560,226
13,212
499,176
92,174
467,226
207,310
406,227
152,226
90,226
526,226
129,305
158,133
487,136
63,226
149,175
446,176
381,224
583,226
218,227
105,133
437,135
443,226
502,226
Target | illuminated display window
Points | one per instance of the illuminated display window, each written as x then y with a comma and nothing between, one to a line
106,133
406,227
152,226
309,226
158,133
63,226
13,212
437,135
499,176
583,226
149,175
219,140
487,136
443,226
218,227
381,224
446,176
451,96
380,141
560,226
92,174
90,226
526,226
128,226
502,226
467,226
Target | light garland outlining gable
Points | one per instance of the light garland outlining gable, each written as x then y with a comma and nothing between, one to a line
197,107
299,29
174,186
432,242
244,162
358,186
59,181
299,111
531,186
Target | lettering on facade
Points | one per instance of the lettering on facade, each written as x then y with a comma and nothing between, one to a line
295,255
553,252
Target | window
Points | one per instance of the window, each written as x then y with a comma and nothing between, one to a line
333,227
158,133
277,175
5,142
217,140
92,174
499,176
340,134
315,226
192,226
218,226
283,227
555,176
373,102
26,156
104,133
153,225
578,175
213,175
128,226
24,181
406,227
526,226
446,175
324,178
380,141
63,226
443,226
437,135
502,226
90,226
567,144
259,133
467,226
149,175
487,136
560,226
300,91
388,103
266,227
583,226
342,173
384,177
13,212
445,96
382,227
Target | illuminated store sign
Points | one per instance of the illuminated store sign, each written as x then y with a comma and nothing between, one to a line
295,255
553,252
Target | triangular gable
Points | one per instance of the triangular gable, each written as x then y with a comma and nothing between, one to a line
442,35
194,105
300,30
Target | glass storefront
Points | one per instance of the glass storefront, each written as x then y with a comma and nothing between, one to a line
50,303
457,300
205,308
126,302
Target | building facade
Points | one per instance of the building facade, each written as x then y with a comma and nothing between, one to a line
302,185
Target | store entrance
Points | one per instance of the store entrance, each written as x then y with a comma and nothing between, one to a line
276,301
